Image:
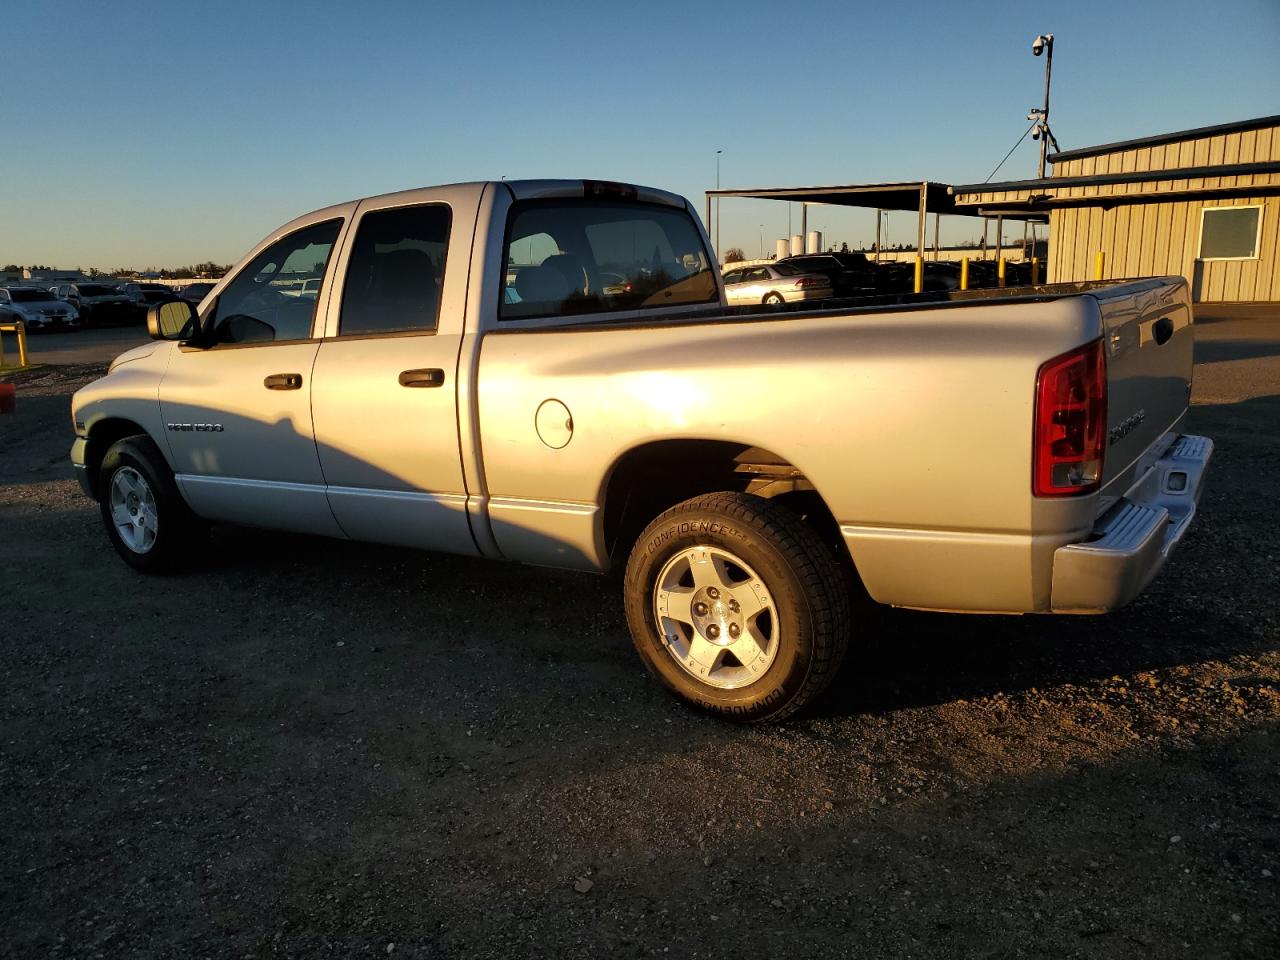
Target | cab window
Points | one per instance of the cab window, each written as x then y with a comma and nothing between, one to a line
395,272
262,304
580,256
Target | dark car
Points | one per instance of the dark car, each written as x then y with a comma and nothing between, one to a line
145,294
195,292
99,304
851,274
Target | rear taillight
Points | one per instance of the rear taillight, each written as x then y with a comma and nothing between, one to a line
808,282
1070,423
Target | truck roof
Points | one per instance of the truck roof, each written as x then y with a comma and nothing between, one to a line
538,190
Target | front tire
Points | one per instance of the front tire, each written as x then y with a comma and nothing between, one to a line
147,521
737,606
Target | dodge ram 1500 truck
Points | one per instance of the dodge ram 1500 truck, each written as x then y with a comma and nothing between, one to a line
473,376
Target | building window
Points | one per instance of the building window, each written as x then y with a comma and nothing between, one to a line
1230,233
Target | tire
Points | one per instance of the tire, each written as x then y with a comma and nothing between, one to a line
717,653
147,521
772,298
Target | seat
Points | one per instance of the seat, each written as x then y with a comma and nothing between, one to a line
571,268
542,284
400,294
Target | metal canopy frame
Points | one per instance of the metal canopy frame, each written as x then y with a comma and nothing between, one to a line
922,196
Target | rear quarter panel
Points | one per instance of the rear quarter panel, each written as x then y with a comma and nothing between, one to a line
914,426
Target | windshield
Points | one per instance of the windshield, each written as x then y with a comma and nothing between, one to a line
29,296
96,290
567,257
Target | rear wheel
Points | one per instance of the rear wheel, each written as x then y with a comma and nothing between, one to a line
737,606
147,521
773,298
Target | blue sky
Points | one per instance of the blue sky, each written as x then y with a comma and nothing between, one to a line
164,133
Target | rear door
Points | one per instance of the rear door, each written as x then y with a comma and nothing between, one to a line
1149,339
385,398
756,283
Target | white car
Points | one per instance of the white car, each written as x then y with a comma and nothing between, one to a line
37,309
771,283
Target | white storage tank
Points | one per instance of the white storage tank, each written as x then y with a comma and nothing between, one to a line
783,248
797,244
814,242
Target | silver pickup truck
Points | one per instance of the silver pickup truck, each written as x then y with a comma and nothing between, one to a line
546,372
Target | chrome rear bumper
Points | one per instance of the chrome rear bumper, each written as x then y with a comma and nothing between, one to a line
1132,541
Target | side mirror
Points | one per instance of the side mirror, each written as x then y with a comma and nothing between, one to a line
174,320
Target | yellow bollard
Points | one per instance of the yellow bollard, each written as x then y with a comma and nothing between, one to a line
1000,272
964,273
919,274
1098,263
1035,270
19,329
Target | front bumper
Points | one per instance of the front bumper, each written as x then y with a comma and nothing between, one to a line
1132,540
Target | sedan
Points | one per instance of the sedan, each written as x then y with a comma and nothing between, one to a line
774,283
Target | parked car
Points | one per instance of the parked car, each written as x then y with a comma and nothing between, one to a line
1018,451
38,309
195,292
99,304
309,289
774,283
144,294
849,274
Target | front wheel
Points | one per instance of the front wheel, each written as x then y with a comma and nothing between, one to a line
737,606
147,521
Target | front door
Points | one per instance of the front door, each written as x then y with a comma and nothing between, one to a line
385,398
237,410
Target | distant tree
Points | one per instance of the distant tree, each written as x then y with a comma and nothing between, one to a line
11,268
733,255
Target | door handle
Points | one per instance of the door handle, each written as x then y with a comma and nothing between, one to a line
283,381
430,377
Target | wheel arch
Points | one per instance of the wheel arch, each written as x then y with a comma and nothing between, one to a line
655,476
102,434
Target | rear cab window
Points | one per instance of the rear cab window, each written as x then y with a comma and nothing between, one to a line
569,257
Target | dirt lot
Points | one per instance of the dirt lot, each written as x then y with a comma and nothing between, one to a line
312,749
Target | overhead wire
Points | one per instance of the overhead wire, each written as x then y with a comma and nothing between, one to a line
1010,153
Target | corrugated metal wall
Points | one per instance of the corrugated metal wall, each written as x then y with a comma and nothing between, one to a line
1158,239
1249,146
1162,237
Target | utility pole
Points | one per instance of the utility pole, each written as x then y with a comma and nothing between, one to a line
718,152
1043,44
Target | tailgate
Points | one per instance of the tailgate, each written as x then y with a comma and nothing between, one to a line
1148,335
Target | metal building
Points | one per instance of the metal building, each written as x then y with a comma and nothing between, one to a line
1203,203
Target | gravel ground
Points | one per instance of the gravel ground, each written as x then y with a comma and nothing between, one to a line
308,748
